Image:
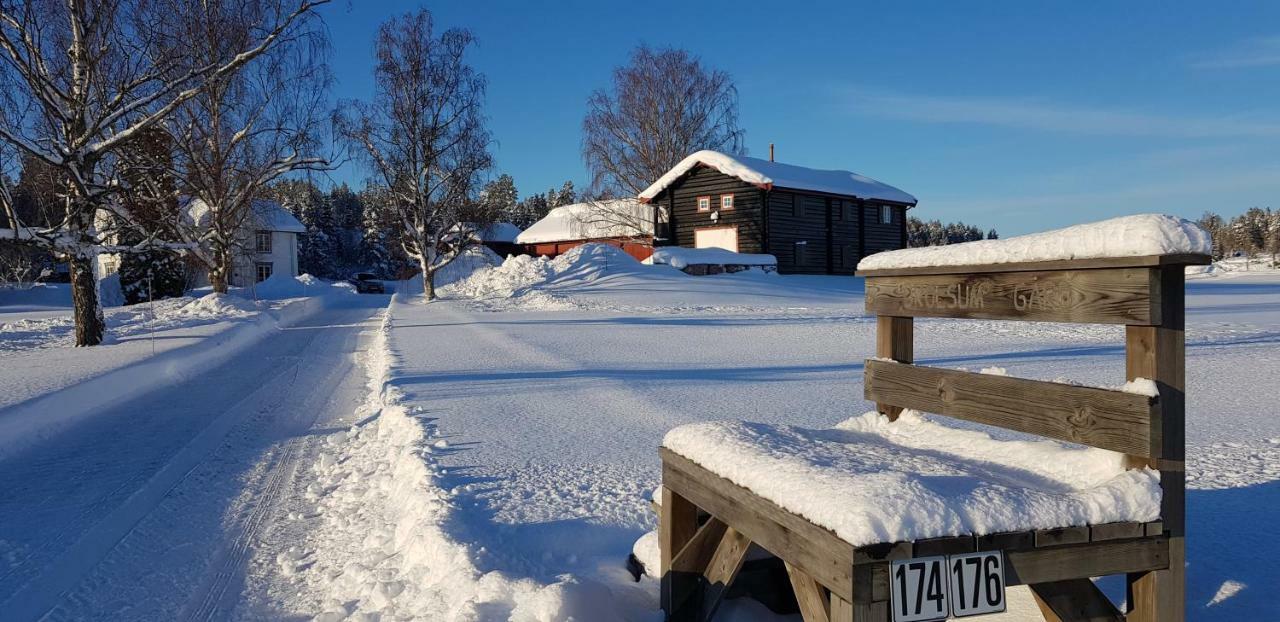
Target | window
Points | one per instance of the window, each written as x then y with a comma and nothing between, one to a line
262,241
802,255
886,214
704,204
726,201
263,271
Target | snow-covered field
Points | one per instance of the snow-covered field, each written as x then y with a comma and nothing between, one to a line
491,456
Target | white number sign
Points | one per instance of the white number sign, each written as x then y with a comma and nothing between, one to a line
919,589
924,589
977,583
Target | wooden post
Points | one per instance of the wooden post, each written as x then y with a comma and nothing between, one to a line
894,340
677,525
1158,353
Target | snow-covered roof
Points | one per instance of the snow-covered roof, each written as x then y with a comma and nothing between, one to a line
766,174
499,232
268,215
1126,236
591,220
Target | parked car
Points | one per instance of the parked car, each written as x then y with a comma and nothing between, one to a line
367,283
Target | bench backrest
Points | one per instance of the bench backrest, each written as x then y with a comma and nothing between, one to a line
1145,294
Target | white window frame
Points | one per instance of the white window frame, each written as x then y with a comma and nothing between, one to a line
258,268
723,204
258,238
886,214
704,203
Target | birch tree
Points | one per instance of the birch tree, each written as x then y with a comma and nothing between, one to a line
87,76
663,106
246,129
424,139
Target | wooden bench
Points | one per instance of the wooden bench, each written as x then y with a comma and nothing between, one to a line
707,522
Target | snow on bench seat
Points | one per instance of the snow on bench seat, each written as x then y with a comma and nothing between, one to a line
871,481
1128,236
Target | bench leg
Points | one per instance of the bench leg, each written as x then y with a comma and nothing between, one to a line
810,595
1160,595
677,524
1074,600
722,570
841,610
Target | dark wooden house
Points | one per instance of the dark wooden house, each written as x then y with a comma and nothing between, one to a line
814,221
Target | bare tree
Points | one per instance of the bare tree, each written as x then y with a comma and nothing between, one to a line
663,106
83,78
244,130
423,136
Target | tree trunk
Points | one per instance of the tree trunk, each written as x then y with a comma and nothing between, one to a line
87,308
219,275
428,283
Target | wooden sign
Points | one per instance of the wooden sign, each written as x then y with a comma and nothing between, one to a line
1097,296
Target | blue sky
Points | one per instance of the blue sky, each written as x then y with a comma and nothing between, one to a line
1013,115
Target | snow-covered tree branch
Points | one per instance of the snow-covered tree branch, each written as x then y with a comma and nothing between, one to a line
85,80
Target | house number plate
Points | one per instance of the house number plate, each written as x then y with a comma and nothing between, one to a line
924,589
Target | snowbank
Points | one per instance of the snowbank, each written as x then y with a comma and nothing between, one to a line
384,550
680,258
766,174
1127,236
520,275
282,286
871,481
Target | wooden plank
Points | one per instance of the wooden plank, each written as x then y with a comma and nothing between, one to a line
1154,528
695,555
1074,600
1006,540
1061,535
722,569
842,610
871,612
895,340
1116,531
810,595
1158,353
943,546
1093,559
1145,261
818,552
1106,296
677,524
1113,420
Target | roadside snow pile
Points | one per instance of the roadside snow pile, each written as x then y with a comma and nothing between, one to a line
521,277
383,549
680,258
282,286
871,481
208,307
472,259
1127,236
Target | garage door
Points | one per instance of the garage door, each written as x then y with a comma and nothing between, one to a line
719,237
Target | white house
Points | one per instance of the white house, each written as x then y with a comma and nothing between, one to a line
268,245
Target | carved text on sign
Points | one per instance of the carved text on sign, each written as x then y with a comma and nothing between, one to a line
951,296
1104,296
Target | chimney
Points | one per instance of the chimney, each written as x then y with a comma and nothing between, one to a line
770,152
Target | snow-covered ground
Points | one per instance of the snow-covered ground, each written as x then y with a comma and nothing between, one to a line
552,391
490,456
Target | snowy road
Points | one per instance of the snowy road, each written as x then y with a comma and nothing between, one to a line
162,507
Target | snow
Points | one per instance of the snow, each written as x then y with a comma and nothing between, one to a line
499,232
768,174
870,481
681,258
618,218
267,215
1126,236
492,455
